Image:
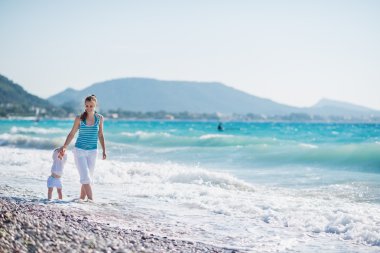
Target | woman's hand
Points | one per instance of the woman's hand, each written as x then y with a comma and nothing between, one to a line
104,155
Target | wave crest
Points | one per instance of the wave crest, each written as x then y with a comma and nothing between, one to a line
25,141
35,130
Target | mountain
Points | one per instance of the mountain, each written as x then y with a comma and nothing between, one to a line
14,100
333,107
144,95
152,95
323,103
62,99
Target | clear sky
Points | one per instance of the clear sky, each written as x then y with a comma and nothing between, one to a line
293,52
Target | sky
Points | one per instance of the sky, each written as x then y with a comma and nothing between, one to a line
292,52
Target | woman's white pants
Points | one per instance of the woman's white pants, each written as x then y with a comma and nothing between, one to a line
85,162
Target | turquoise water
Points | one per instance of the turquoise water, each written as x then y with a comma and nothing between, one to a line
268,187
240,147
256,152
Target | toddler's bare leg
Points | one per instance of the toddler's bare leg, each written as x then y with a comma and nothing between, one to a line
50,192
59,190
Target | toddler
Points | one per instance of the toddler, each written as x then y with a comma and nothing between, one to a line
54,180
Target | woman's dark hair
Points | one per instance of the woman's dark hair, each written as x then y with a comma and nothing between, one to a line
87,99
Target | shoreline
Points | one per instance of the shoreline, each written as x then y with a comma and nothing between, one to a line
264,121
28,226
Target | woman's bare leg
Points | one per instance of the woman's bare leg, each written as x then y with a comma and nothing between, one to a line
87,188
82,192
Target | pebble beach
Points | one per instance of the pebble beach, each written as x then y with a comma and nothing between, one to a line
32,226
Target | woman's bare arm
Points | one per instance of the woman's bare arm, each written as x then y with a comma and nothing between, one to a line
101,137
70,136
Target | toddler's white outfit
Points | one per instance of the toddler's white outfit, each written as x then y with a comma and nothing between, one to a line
56,170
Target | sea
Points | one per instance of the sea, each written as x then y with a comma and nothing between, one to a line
255,187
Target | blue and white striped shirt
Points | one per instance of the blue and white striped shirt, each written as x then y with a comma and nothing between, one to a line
88,135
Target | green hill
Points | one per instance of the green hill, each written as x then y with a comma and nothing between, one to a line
15,101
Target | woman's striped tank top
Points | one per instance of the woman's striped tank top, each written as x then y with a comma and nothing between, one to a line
88,135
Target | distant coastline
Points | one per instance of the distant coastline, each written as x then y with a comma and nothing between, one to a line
186,116
151,99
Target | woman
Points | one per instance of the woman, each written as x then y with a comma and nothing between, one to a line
90,126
